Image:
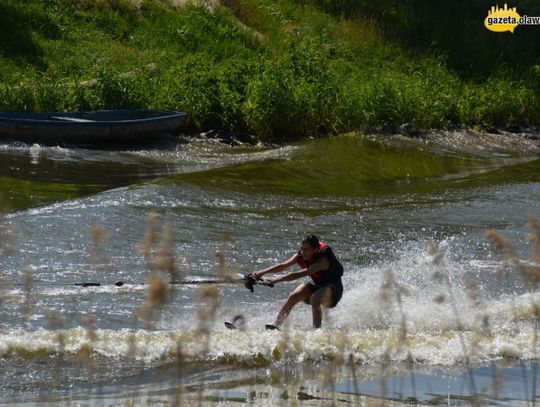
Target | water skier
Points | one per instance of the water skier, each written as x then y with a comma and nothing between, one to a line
317,260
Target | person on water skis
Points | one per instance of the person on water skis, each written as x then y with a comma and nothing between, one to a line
318,261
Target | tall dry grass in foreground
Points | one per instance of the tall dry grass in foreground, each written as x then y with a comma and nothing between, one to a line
157,248
393,293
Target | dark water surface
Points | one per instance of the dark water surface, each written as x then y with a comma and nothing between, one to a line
466,319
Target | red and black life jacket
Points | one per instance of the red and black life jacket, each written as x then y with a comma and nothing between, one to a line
332,274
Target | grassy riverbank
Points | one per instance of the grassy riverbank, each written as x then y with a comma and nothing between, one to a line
279,69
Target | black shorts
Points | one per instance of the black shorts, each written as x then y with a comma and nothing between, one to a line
337,291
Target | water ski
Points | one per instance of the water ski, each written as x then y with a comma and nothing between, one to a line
228,325
238,322
268,327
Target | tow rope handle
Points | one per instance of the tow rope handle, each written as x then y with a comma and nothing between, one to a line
250,282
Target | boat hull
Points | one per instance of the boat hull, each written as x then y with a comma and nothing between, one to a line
98,127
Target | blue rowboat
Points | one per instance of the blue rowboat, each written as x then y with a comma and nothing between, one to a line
95,127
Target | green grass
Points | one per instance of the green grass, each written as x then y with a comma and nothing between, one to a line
451,28
279,69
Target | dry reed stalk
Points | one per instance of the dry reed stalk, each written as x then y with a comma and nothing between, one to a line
496,382
88,322
208,297
160,260
224,271
150,236
221,266
393,292
5,249
98,236
441,275
156,297
534,239
180,363
4,293
132,345
55,322
337,361
481,326
27,290
7,231
352,364
84,355
164,259
208,305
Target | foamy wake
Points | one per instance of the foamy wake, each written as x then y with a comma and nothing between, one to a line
461,329
256,347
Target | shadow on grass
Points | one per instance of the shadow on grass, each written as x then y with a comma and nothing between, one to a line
455,29
21,27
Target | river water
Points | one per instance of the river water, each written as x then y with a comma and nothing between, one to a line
430,311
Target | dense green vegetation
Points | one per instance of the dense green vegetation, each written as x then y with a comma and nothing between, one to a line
451,28
280,69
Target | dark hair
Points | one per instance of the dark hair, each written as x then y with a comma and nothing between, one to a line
311,240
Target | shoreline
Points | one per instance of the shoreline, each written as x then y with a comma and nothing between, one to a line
283,71
245,139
